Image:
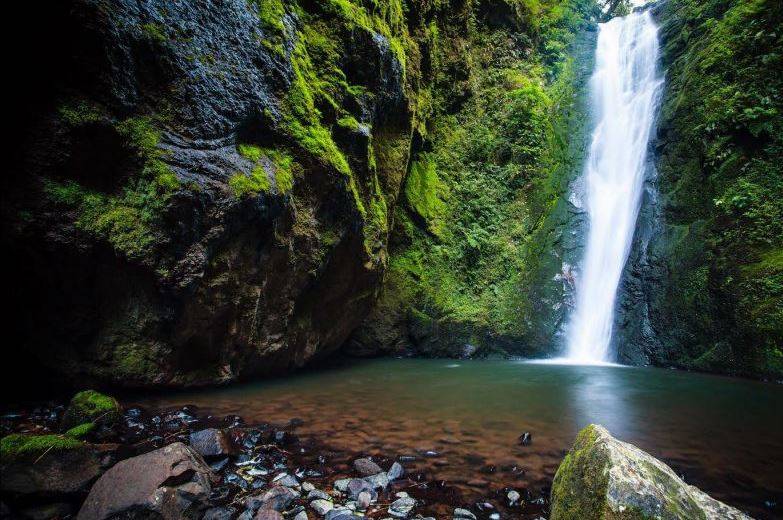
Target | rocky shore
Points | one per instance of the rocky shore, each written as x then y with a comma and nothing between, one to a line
181,463
92,460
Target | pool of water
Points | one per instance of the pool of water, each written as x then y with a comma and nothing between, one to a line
723,435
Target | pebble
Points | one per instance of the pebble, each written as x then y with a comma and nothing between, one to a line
379,481
301,515
463,514
396,471
316,494
525,439
494,516
401,494
307,487
284,479
366,467
363,500
402,507
321,506
513,497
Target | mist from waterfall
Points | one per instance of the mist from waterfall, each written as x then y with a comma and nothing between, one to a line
624,96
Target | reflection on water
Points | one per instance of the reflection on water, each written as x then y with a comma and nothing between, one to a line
724,435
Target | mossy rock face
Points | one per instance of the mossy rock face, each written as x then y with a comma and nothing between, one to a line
23,445
603,478
91,406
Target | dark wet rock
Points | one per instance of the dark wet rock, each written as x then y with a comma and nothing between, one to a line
211,443
604,478
285,479
277,498
525,439
402,507
513,497
219,464
170,482
318,494
219,513
301,515
284,438
396,471
48,511
366,467
53,472
236,480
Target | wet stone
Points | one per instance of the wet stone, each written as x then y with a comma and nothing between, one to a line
318,494
402,507
525,439
463,514
321,507
366,467
219,513
396,471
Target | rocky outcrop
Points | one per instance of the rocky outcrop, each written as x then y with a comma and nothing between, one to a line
171,482
203,193
702,287
604,478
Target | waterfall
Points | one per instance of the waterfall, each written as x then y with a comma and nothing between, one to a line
624,94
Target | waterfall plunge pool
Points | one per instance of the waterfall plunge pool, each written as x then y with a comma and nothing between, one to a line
722,434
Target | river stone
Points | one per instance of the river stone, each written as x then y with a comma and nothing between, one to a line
277,498
211,442
402,507
604,478
379,481
463,514
168,483
366,467
396,471
268,514
318,494
321,506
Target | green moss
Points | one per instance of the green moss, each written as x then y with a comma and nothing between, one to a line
349,123
422,191
580,484
154,32
280,162
77,432
28,446
127,219
91,406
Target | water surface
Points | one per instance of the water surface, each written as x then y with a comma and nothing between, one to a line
724,435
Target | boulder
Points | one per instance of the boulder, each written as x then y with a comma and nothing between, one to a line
211,443
604,478
91,406
48,465
171,482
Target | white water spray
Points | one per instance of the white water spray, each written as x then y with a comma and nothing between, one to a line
624,89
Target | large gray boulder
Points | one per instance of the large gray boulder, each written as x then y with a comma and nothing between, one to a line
171,482
603,478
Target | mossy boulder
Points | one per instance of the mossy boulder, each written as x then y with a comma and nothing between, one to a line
604,478
47,465
90,406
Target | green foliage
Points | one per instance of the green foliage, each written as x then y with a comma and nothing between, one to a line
422,189
127,219
28,446
722,172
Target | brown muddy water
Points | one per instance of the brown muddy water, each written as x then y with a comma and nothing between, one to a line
721,434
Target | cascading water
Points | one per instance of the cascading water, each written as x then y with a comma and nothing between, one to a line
624,90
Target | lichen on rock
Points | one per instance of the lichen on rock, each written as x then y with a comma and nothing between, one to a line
604,478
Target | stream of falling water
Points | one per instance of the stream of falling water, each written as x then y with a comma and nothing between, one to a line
624,95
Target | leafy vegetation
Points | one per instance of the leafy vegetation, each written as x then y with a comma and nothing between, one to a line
722,175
